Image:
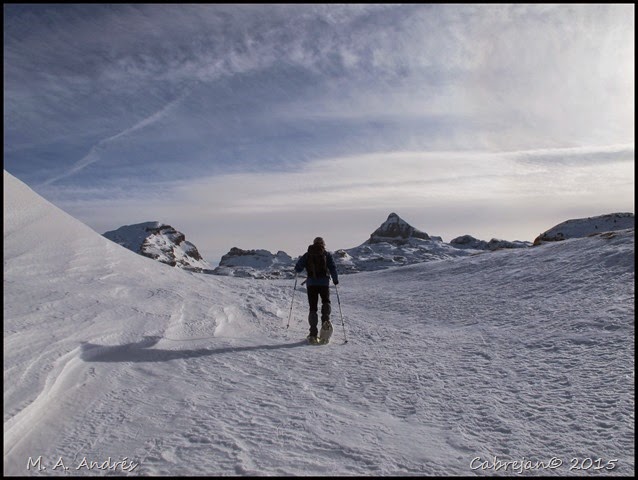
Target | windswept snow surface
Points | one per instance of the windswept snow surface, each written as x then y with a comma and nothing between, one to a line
453,367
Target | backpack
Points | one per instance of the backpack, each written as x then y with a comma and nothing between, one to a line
316,264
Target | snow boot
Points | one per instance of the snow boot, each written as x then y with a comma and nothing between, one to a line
313,320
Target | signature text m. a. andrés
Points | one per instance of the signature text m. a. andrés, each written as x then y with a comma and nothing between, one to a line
124,465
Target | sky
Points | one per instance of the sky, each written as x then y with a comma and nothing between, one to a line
264,126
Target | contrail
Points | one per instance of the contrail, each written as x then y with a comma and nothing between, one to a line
94,153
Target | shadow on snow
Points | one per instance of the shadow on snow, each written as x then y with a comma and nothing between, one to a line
140,352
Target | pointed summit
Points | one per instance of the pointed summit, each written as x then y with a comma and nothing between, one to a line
396,230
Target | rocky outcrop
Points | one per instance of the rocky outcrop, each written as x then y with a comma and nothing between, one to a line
255,264
160,242
468,241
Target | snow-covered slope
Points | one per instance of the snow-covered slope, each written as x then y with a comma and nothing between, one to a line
582,227
161,242
453,367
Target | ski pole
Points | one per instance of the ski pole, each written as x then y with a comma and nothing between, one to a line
293,300
345,339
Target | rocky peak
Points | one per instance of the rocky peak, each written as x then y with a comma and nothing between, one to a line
396,230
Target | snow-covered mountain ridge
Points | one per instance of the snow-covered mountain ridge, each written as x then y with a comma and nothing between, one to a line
514,355
582,227
394,243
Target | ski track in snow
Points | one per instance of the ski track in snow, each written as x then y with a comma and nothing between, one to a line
525,354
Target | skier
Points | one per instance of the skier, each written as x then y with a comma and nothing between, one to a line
320,267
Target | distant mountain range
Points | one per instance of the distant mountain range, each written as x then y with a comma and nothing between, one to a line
394,243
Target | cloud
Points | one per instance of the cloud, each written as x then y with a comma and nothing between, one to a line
411,178
577,156
558,75
447,193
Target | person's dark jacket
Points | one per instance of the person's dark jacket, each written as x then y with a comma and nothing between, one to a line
323,281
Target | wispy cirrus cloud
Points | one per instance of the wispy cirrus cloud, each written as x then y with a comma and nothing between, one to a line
516,75
412,178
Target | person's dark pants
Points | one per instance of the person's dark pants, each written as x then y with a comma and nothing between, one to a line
314,292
